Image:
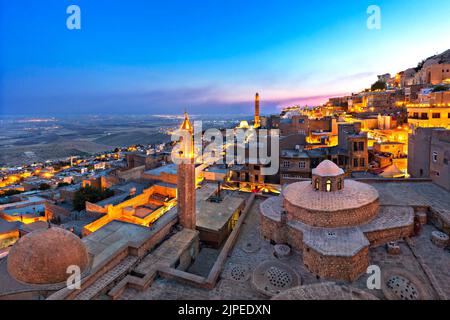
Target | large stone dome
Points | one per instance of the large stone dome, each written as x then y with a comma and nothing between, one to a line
43,256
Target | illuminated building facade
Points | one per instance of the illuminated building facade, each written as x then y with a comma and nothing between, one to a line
433,74
428,115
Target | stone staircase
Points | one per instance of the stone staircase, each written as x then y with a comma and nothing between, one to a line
120,270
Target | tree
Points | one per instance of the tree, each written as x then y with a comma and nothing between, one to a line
44,186
379,85
10,192
89,194
63,184
440,88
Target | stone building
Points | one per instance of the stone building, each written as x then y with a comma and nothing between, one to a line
333,222
429,155
355,144
135,160
440,158
299,124
433,74
429,115
294,165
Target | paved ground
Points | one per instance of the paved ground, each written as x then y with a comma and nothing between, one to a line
204,262
437,259
415,194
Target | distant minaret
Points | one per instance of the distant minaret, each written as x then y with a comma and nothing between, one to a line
186,176
257,122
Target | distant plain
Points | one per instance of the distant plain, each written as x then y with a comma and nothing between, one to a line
26,139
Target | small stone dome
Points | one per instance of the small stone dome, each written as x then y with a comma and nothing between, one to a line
327,168
328,177
43,256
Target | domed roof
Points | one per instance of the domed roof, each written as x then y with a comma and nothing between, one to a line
43,256
327,168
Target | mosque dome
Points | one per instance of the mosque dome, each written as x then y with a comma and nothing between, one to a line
327,168
43,256
244,125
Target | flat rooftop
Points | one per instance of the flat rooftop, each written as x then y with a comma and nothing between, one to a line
294,154
418,193
28,210
7,227
169,169
214,216
106,241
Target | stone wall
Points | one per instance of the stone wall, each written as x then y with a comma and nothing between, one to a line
131,174
332,219
95,211
273,230
295,238
337,183
53,211
332,267
380,237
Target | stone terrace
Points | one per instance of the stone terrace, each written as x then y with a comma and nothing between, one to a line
424,260
414,194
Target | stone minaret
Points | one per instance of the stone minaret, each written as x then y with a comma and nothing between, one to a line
257,122
186,176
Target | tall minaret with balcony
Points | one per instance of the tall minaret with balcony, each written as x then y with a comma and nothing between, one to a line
257,121
186,176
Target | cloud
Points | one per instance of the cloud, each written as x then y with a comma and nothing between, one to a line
199,100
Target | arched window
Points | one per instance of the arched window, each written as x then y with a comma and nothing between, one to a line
328,185
317,184
339,185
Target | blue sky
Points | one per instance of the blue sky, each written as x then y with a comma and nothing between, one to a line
210,56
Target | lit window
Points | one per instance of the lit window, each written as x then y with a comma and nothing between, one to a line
328,185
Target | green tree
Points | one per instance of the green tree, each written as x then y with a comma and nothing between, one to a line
10,192
63,184
89,194
440,88
44,186
379,85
